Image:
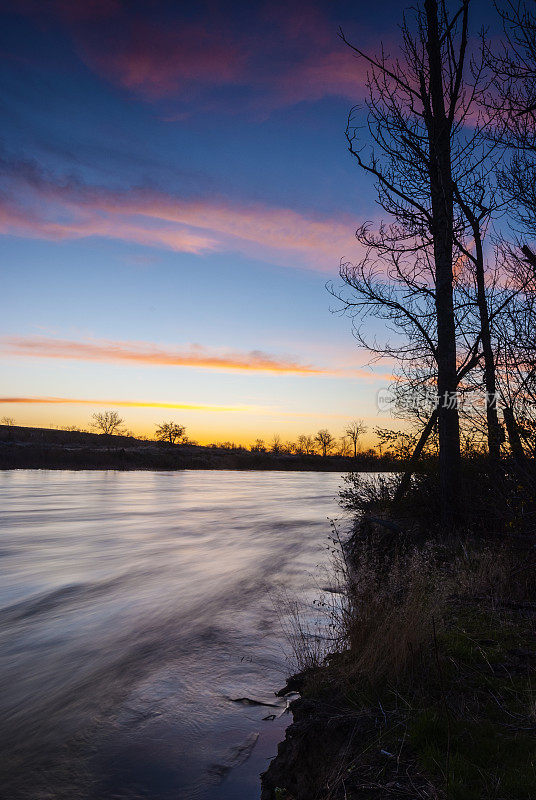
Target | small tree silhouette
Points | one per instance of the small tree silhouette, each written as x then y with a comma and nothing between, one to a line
306,445
325,441
170,432
354,430
108,422
276,445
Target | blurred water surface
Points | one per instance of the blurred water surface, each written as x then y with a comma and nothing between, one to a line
135,609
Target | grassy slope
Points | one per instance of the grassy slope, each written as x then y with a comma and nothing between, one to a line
439,684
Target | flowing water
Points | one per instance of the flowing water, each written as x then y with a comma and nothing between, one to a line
139,627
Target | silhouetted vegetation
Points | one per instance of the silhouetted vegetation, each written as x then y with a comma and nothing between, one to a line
419,682
354,430
451,144
170,432
108,422
53,448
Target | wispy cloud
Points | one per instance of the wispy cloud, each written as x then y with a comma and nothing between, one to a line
160,66
192,356
125,403
36,204
150,354
273,55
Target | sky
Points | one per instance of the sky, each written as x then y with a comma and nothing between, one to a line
175,193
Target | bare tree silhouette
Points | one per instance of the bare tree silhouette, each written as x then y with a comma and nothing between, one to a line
170,432
354,430
108,422
430,169
306,444
325,441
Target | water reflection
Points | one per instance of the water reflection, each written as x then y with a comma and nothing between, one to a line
134,608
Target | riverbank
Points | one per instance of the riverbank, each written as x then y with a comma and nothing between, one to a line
47,448
430,693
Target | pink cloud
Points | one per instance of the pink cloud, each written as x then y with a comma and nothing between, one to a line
182,72
36,205
157,62
335,73
150,354
278,56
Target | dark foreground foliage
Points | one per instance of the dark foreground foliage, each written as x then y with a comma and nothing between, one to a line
429,690
493,502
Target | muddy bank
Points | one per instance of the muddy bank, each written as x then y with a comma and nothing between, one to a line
334,750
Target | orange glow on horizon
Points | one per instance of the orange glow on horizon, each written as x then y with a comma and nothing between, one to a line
242,425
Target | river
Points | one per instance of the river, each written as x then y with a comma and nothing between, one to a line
140,613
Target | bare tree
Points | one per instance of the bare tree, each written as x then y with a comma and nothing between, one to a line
7,421
354,430
385,438
344,449
276,445
514,99
170,432
325,441
516,360
258,447
423,158
306,444
108,422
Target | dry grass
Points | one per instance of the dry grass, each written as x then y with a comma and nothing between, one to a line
433,640
390,614
308,632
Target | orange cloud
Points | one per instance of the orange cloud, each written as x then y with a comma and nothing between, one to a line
125,403
37,205
145,353
194,356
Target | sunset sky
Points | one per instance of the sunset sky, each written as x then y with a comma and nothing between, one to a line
176,192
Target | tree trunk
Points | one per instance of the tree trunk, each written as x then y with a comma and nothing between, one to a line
410,468
495,432
514,438
439,133
494,429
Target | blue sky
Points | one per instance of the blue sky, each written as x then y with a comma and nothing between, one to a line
176,192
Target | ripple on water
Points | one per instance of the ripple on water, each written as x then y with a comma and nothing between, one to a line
136,608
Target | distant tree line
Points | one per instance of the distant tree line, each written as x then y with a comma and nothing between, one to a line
388,443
